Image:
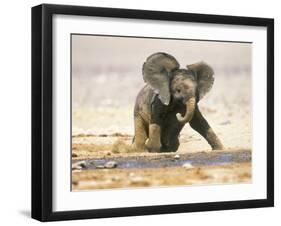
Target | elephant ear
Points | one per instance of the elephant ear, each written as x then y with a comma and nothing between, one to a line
157,73
204,75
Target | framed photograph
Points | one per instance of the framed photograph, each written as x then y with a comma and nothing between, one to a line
145,112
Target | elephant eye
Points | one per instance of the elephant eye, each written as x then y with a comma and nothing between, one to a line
178,90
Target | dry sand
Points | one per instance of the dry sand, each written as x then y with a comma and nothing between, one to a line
153,177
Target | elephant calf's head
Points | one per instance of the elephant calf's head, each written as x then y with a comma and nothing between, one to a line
161,71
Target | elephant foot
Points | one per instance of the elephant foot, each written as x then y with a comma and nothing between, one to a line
169,149
217,145
170,145
213,140
153,143
163,150
152,146
138,148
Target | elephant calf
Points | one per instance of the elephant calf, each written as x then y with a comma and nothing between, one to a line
168,101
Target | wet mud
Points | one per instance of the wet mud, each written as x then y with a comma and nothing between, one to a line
171,160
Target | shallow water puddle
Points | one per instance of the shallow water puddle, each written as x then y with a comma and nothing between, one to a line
160,161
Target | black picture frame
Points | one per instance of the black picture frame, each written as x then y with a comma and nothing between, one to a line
42,107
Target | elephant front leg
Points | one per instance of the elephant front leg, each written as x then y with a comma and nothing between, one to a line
200,124
140,134
153,143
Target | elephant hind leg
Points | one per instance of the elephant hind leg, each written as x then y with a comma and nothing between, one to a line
141,134
200,124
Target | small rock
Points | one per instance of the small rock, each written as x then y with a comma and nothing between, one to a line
74,182
138,180
187,166
110,165
76,167
177,157
225,122
74,155
115,178
103,135
79,165
83,164
100,167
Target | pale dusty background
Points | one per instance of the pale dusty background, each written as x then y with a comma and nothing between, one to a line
16,210
106,77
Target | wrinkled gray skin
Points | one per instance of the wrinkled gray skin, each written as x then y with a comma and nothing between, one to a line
160,113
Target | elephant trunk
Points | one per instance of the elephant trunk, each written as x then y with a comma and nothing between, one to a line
190,107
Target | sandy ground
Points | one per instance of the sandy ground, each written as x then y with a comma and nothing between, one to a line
107,132
153,177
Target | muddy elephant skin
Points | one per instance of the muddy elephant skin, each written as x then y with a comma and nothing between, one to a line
158,123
